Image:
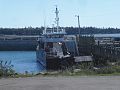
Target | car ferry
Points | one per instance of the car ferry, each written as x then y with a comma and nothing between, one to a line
54,51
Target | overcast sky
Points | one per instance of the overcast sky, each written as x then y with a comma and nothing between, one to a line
25,13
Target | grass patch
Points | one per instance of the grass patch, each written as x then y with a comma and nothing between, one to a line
77,70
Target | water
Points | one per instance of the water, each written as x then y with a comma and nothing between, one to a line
107,35
22,61
104,35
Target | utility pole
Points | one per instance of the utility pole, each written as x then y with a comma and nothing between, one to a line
78,23
78,31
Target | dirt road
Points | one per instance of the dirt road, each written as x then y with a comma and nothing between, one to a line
62,83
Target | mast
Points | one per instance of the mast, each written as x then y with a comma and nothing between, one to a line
57,18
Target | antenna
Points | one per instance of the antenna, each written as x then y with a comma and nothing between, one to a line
44,31
57,18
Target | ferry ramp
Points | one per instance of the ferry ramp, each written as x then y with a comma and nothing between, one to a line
72,47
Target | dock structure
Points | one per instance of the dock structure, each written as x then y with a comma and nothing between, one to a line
18,43
105,52
19,37
87,46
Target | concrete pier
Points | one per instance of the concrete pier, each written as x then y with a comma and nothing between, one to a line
18,43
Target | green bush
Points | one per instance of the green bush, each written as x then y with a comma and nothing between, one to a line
6,69
106,70
116,68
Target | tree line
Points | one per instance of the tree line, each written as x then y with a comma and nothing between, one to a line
69,30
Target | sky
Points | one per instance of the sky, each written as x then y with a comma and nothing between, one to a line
37,13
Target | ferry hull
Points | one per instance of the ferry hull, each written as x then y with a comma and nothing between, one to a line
54,63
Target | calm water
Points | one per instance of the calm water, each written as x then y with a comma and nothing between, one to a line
107,35
22,60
